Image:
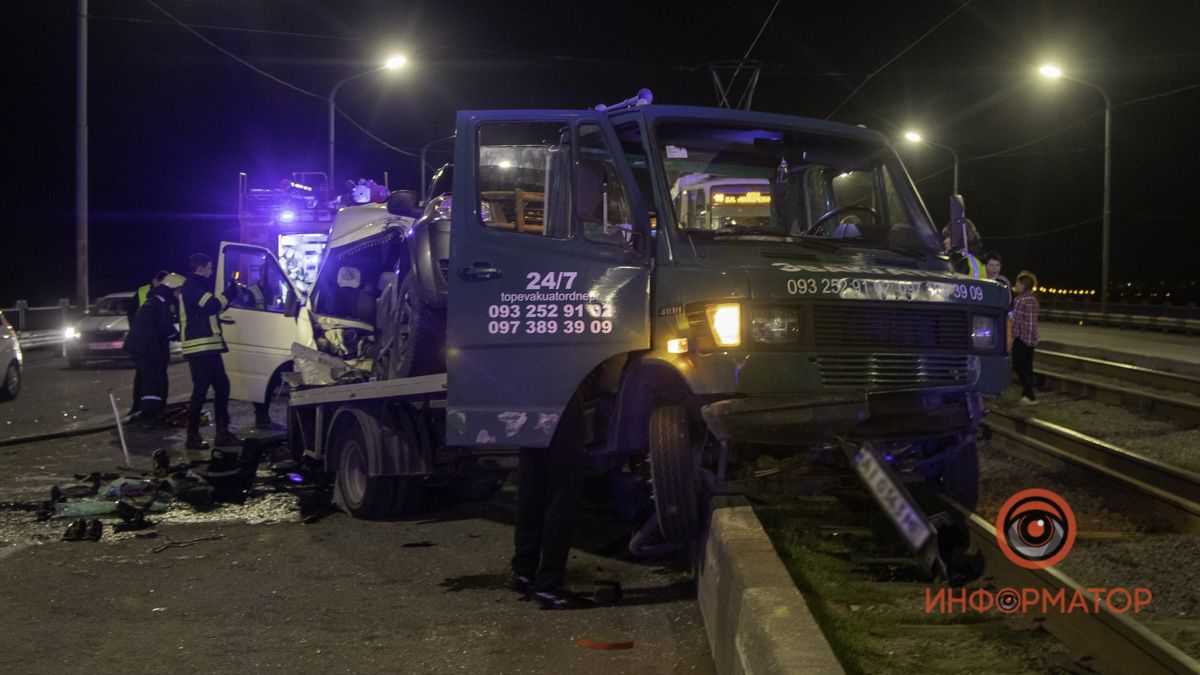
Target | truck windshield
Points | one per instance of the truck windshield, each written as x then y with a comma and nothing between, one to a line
739,182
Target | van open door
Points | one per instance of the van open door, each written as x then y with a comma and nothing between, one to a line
262,321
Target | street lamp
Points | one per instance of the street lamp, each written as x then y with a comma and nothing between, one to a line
914,137
1054,72
395,62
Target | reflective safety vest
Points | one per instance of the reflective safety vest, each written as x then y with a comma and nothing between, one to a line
975,269
143,293
198,322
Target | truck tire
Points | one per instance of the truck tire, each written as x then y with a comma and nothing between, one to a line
959,478
418,336
75,362
675,472
363,495
12,382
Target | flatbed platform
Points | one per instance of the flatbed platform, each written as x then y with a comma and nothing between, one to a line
423,387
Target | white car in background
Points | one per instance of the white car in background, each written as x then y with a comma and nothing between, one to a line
101,333
11,360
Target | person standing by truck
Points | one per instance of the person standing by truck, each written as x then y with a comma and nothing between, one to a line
1025,334
137,300
549,487
149,342
202,346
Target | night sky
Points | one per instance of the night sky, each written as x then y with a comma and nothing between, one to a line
173,120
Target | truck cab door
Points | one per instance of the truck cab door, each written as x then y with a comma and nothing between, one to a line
549,271
262,320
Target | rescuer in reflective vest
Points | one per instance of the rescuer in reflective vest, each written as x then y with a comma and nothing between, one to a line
202,346
149,342
137,300
962,259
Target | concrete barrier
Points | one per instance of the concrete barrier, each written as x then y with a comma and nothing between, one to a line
756,619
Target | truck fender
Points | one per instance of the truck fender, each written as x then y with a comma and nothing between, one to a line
643,388
406,443
348,415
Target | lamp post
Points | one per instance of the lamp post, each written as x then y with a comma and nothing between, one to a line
1054,72
393,63
914,137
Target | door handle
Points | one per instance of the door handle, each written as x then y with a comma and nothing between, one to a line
226,321
479,271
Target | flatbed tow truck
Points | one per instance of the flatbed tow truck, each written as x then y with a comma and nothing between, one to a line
707,285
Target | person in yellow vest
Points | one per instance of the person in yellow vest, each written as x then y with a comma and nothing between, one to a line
137,300
202,345
964,261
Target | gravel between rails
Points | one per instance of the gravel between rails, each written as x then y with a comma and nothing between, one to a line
1157,439
1114,546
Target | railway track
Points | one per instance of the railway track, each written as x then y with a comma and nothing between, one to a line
1176,490
1108,642
1146,377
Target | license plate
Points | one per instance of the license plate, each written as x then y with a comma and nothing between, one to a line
906,518
106,345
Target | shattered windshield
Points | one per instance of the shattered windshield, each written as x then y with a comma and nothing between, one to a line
737,182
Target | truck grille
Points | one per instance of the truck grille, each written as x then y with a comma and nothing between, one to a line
863,326
882,371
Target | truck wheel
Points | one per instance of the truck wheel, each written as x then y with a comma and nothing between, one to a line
960,476
12,382
675,471
419,335
75,362
358,492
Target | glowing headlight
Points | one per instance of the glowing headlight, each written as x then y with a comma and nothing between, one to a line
726,324
983,332
774,326
70,333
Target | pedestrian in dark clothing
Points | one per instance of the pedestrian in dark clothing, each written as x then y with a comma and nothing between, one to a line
149,342
135,301
549,488
993,263
1025,334
202,346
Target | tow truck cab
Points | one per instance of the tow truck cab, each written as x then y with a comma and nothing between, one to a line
761,278
706,285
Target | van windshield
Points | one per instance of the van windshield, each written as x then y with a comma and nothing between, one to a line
740,182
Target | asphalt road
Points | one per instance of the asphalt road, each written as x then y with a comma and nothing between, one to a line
260,591
55,397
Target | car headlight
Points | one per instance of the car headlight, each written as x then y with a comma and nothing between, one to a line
773,326
70,333
726,324
983,332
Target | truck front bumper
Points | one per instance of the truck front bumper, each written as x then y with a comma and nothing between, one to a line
816,418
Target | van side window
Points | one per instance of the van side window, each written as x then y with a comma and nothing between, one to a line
254,281
619,223
524,178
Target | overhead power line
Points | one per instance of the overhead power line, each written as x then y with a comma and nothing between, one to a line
280,81
897,56
1045,232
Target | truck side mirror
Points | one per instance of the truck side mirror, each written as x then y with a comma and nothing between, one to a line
958,223
591,188
402,202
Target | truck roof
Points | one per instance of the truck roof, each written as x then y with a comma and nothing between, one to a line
653,112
